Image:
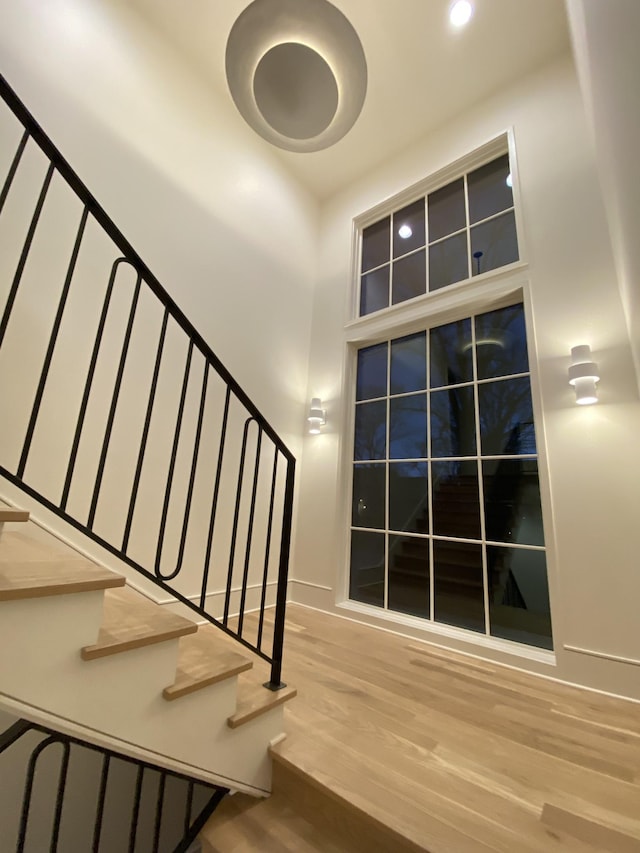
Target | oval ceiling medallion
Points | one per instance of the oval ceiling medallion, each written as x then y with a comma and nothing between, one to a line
297,72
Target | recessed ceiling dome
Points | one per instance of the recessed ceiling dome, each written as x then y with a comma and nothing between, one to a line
297,72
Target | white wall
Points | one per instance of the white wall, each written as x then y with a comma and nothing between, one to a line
203,200
590,455
208,207
605,41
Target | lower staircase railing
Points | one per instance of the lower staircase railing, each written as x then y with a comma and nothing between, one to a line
127,426
76,796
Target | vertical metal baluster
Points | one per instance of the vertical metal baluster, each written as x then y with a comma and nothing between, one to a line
159,808
188,808
247,551
114,403
89,381
172,463
145,433
24,253
13,169
133,831
62,782
192,478
102,795
28,791
236,515
275,682
267,548
51,346
214,499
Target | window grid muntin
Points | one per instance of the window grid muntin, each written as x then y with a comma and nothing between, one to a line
429,459
467,229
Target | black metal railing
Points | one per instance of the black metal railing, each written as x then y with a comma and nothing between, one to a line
67,795
218,538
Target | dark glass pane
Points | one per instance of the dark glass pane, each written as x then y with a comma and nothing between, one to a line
409,363
408,228
512,501
368,496
506,418
448,262
456,499
409,497
372,372
450,354
409,278
498,242
489,192
501,341
408,427
446,210
371,430
458,584
519,596
453,422
374,291
366,581
409,575
376,244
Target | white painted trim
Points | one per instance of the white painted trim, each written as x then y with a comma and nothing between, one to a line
482,292
308,583
66,726
604,655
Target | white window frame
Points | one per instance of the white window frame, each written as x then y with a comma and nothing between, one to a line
484,292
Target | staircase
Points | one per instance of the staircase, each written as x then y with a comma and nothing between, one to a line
83,650
161,497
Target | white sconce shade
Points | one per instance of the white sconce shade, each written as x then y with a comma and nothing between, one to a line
583,375
316,417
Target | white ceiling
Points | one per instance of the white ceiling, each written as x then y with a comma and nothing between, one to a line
422,73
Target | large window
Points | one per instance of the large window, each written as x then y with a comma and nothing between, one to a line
446,520
460,230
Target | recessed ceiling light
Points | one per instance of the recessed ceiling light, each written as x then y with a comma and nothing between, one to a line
509,180
460,13
405,232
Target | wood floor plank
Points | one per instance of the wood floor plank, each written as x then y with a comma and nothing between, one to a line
452,752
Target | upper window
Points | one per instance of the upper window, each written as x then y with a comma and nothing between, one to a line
460,230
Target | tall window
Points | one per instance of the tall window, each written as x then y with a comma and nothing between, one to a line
446,521
458,231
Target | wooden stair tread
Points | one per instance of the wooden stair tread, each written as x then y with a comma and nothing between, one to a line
10,513
254,699
202,661
35,579
130,621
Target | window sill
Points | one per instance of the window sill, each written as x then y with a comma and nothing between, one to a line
481,292
432,631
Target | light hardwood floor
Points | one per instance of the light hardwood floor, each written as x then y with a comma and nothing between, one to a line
451,754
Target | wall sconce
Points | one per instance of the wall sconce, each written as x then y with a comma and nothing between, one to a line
317,416
583,375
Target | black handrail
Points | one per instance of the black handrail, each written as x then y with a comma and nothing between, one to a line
257,442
